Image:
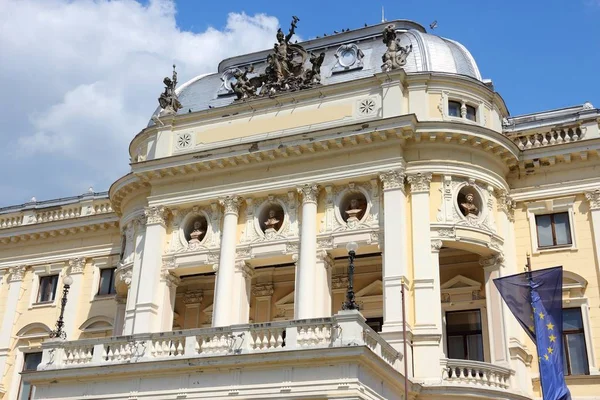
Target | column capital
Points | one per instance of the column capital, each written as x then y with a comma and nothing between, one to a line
506,204
125,275
263,290
392,179
193,296
16,273
309,193
156,215
325,258
231,204
436,245
76,265
594,198
491,262
242,267
419,182
170,279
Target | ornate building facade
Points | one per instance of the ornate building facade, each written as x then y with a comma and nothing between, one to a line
217,266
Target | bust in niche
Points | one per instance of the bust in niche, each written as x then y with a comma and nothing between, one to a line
196,233
271,224
468,207
352,211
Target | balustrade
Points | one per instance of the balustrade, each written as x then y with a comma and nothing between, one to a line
551,138
466,372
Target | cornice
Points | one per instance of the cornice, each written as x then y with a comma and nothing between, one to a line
55,229
555,190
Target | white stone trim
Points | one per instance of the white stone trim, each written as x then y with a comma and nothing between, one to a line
551,206
465,100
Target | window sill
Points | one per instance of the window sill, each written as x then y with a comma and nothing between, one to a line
461,119
46,304
102,297
542,250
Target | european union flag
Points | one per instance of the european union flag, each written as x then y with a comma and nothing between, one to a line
535,299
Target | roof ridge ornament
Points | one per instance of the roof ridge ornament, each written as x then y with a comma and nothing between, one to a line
285,71
168,100
395,55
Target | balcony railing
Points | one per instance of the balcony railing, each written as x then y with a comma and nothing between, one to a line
344,329
466,372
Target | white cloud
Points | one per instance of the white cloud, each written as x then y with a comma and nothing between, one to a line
82,78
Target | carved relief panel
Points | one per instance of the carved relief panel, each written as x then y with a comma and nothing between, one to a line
195,228
354,206
467,202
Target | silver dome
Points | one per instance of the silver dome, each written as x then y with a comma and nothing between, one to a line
437,54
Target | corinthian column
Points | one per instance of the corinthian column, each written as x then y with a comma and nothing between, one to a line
305,276
223,313
149,297
394,253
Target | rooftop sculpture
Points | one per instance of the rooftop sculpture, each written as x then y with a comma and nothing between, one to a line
285,69
395,56
168,99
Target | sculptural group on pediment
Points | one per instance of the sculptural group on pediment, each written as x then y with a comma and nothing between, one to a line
285,70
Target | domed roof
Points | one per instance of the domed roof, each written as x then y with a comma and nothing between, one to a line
437,54
349,55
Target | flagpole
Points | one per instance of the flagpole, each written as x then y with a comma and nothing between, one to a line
404,339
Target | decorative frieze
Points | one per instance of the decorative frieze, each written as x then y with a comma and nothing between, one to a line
17,273
594,199
419,182
76,265
231,204
392,179
309,193
193,296
263,290
155,215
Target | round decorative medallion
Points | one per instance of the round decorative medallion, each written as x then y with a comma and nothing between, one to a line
184,140
367,107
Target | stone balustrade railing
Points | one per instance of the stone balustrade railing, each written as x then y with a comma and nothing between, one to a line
11,221
344,329
466,372
551,138
57,215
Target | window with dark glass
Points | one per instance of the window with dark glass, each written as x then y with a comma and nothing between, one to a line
574,350
375,323
30,363
553,229
454,109
107,281
47,291
471,113
464,336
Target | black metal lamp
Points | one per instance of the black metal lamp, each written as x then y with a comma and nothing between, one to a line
58,332
350,303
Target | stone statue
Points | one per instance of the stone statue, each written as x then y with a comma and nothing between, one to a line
168,99
285,69
395,56
353,210
469,209
196,234
242,87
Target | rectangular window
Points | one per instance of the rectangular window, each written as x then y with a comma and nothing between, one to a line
553,229
574,350
464,336
30,363
47,291
454,109
471,113
107,281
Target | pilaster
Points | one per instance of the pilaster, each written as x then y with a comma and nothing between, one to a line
131,276
495,312
75,268
322,291
593,198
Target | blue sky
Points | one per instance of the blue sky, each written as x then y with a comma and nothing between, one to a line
83,75
539,54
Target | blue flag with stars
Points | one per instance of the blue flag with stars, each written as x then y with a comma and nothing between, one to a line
535,299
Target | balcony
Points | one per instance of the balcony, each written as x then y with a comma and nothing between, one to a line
475,373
